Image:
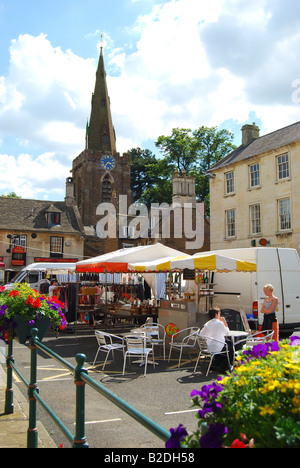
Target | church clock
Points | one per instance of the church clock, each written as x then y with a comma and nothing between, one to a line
108,162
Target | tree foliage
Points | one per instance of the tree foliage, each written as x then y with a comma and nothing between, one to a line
192,152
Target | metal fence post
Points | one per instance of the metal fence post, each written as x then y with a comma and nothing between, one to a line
9,394
80,440
32,433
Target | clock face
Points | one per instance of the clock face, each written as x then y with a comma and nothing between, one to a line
108,162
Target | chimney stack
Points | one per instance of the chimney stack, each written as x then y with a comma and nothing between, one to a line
69,199
249,134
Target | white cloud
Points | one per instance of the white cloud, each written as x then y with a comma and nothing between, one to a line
194,63
28,177
203,63
45,101
44,84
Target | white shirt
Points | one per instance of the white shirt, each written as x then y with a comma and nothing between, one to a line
217,330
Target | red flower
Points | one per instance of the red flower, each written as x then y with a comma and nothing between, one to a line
37,303
238,444
30,301
14,294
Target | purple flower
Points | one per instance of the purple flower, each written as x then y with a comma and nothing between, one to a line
3,309
258,351
214,436
31,323
213,407
274,346
294,341
176,436
208,392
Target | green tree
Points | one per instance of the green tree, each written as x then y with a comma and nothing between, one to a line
178,149
141,175
211,145
10,195
191,151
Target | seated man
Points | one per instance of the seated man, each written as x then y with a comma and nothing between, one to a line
217,329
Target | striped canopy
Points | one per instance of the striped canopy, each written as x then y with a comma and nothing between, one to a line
207,261
139,259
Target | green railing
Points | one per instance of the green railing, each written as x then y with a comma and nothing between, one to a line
81,378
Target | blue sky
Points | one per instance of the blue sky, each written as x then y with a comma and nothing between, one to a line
170,63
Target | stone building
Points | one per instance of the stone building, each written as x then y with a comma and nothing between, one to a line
185,227
38,231
255,191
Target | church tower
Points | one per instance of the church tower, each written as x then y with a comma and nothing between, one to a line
100,131
100,174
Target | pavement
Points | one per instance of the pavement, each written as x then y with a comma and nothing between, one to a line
13,427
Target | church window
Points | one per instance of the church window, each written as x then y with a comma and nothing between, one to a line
106,189
105,139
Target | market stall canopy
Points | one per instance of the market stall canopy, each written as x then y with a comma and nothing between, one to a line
52,268
212,262
139,259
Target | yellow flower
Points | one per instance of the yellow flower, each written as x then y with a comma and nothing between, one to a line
224,380
296,402
266,410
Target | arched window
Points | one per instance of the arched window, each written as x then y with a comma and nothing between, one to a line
106,189
104,139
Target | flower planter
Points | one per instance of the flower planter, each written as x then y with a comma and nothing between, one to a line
23,330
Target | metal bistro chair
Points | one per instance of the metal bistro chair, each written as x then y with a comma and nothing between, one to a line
137,346
256,338
204,343
188,342
107,343
157,335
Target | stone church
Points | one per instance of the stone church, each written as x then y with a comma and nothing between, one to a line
99,174
69,230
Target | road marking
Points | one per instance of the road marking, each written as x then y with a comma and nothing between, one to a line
103,421
181,412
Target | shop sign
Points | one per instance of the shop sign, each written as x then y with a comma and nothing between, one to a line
18,256
171,329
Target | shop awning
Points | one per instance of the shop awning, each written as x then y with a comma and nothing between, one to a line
212,262
140,259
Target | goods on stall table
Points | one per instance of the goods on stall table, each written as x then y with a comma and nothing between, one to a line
189,296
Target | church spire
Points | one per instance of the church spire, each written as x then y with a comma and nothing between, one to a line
100,132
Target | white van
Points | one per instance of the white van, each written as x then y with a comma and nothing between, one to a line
244,291
35,274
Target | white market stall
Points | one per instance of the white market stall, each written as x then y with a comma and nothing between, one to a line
139,261
186,313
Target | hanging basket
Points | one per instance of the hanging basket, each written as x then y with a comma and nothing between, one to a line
23,330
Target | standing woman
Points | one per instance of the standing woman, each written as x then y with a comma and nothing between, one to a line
268,308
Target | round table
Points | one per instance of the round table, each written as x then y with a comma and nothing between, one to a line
236,334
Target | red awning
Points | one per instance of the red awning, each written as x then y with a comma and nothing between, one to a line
113,267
